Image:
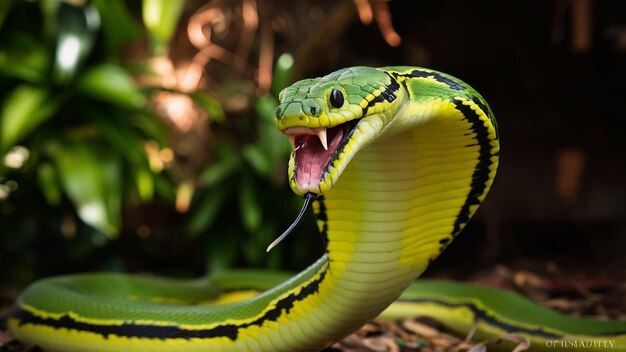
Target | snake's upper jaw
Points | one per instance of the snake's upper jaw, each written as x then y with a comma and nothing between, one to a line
314,150
296,133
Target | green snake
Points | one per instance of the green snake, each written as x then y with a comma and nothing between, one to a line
395,160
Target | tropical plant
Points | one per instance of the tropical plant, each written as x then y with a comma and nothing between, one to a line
73,124
85,164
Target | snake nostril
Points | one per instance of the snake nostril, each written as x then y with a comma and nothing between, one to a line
313,110
278,111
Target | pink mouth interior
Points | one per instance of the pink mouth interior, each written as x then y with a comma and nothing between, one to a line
312,158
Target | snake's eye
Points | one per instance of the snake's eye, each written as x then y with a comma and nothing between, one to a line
336,98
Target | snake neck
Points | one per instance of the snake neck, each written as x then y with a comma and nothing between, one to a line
397,206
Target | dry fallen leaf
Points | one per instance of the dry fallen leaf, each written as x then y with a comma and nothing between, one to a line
522,343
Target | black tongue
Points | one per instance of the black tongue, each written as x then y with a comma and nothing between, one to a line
308,200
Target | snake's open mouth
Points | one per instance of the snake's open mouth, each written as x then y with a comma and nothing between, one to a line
316,149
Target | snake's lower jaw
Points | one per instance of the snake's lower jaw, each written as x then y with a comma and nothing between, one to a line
318,156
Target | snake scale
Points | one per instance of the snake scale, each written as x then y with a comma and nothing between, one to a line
395,160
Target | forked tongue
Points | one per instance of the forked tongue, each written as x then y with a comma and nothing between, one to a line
308,200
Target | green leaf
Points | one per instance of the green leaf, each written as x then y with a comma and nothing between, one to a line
118,25
144,183
161,18
257,159
76,35
25,108
266,107
249,205
271,142
218,171
92,181
111,83
129,145
49,183
282,73
151,127
207,210
164,187
49,10
211,105
24,57
121,137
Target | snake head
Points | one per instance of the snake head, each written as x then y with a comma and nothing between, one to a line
329,119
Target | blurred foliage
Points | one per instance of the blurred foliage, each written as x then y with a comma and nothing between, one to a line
249,183
73,123
81,187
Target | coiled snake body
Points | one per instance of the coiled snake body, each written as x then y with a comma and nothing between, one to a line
399,158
